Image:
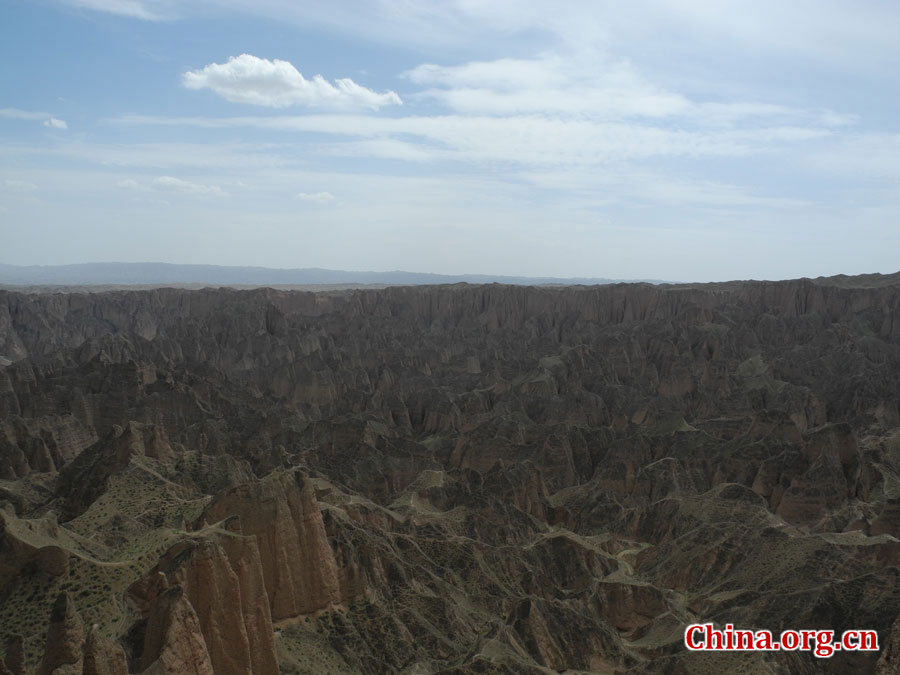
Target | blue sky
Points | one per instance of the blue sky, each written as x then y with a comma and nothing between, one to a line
681,140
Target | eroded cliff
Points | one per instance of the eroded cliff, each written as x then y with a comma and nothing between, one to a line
447,479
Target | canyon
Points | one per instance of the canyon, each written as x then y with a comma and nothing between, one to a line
448,479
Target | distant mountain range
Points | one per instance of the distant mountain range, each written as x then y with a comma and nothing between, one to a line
116,273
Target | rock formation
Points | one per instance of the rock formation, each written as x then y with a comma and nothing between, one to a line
62,652
889,663
458,479
220,578
174,642
102,656
298,566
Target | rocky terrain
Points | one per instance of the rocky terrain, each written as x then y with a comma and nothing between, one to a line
447,479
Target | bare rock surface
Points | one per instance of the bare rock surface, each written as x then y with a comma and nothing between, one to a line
174,642
298,565
62,652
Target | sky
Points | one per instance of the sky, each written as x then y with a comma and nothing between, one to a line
683,140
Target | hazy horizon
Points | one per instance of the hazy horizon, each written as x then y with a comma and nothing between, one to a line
143,273
88,274
658,140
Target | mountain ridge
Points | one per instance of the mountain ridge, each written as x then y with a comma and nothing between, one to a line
171,273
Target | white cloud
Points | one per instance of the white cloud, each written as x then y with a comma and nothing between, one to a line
316,197
829,31
598,86
17,114
872,157
850,35
631,185
136,9
127,184
48,119
504,74
162,156
278,84
170,184
388,148
525,139
19,185
588,85
854,35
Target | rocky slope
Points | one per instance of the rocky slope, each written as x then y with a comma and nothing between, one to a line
454,479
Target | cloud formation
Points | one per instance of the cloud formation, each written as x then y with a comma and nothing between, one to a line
17,114
19,185
316,197
278,84
135,9
170,184
519,139
589,85
598,86
48,119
